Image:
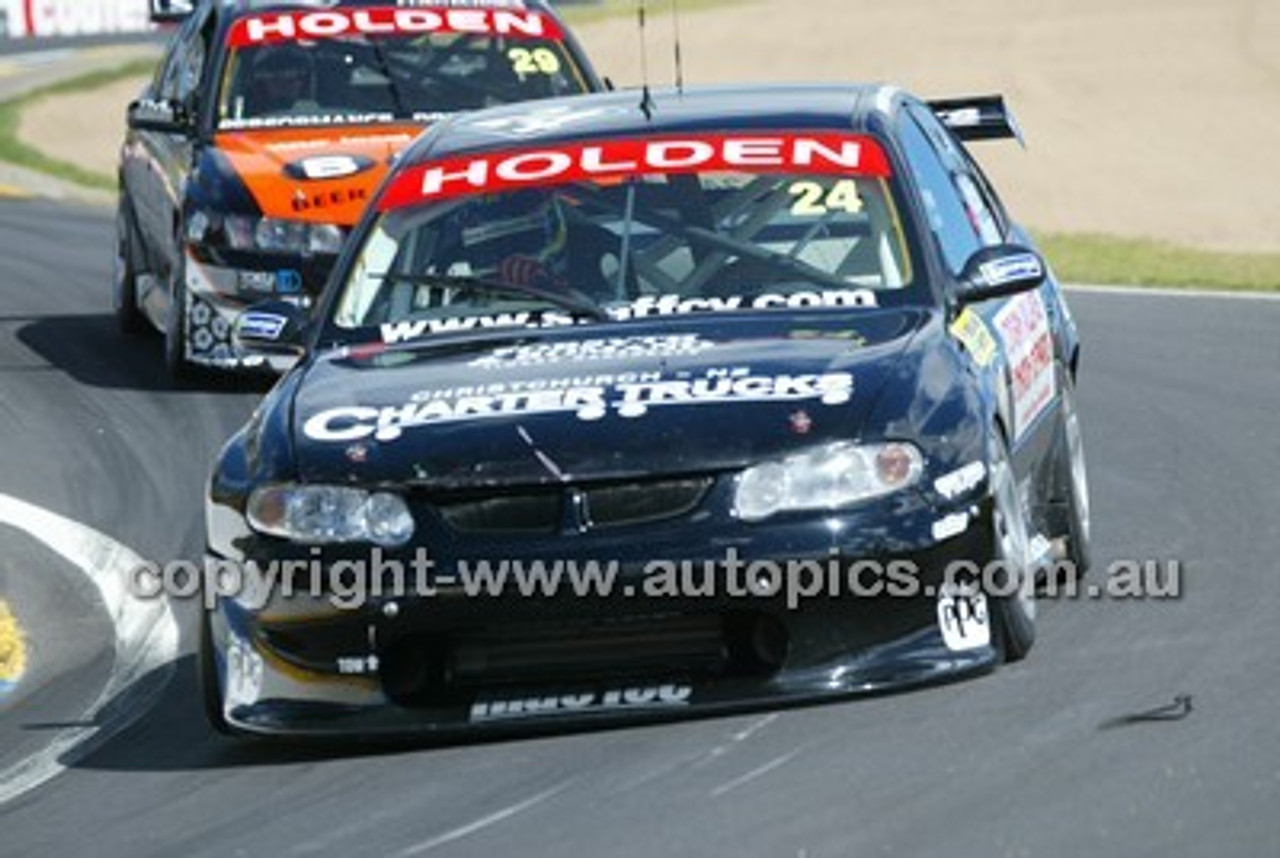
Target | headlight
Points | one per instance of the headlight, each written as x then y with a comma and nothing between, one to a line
266,235
317,515
828,477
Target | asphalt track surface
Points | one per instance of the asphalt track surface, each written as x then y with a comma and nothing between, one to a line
1080,750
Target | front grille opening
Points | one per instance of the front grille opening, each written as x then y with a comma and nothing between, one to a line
430,670
639,503
531,512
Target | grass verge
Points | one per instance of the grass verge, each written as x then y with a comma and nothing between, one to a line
14,151
1142,262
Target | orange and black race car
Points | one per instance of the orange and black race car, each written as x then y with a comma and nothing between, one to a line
268,125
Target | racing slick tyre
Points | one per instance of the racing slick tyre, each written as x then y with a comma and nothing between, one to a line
210,693
1013,605
1075,480
181,371
124,281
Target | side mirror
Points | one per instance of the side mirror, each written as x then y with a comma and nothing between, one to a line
996,272
170,11
162,115
273,326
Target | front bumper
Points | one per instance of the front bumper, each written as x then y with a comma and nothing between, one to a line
218,293
453,663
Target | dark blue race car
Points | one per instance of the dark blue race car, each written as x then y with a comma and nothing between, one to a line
626,406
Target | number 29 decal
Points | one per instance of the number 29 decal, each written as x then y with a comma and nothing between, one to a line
525,62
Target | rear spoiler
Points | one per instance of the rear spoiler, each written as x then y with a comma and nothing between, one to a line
979,117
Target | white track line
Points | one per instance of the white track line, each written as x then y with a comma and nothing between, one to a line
484,821
146,640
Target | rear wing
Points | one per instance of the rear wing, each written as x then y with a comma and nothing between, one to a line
979,117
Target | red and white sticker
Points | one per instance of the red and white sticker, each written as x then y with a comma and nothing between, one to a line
276,27
602,160
1024,328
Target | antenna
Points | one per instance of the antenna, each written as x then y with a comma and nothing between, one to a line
675,26
646,98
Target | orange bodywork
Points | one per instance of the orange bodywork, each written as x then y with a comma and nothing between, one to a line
260,158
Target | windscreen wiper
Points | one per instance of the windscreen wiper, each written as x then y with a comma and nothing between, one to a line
566,299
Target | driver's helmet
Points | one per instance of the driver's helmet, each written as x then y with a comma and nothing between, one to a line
515,237
281,77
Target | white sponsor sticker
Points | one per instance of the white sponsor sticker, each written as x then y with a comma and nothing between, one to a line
603,349
963,616
244,674
629,396
960,481
953,525
631,698
1024,328
645,307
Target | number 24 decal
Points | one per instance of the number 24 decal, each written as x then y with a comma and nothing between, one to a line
813,200
536,61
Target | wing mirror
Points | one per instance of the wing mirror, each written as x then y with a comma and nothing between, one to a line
999,271
162,115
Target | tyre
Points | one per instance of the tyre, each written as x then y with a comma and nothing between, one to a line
124,281
1013,607
181,371
1075,480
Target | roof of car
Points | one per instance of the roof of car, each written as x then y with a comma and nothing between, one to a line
627,113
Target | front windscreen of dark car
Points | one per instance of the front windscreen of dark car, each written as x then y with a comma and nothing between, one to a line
360,73
631,241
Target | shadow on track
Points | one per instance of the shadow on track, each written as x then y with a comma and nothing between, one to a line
92,351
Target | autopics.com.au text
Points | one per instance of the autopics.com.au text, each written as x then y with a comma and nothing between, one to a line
349,584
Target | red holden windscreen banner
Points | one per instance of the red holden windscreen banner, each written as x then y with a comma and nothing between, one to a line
817,153
275,27
41,18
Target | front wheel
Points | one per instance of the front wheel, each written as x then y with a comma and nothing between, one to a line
1014,607
181,370
124,281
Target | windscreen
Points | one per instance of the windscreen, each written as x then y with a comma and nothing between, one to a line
369,64
634,228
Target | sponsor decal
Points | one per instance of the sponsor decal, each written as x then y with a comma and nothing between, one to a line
963,616
961,481
391,141
1010,269
629,395
614,160
1024,328
605,349
647,306
260,326
357,665
953,525
293,25
244,674
973,334
320,167
612,699
13,649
